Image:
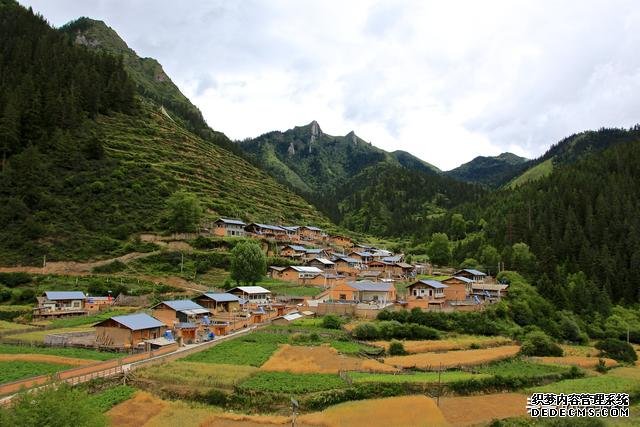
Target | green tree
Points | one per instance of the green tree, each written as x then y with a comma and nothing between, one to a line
490,257
522,259
458,226
248,263
470,263
439,251
62,406
183,212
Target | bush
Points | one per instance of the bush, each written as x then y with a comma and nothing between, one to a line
113,267
12,280
617,350
396,348
365,331
537,343
331,321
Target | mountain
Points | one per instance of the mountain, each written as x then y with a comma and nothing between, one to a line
491,171
359,186
571,149
89,158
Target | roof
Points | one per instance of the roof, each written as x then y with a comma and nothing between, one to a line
63,295
162,341
382,253
312,228
186,325
323,261
221,297
306,269
363,254
432,283
370,273
489,286
231,221
269,227
367,285
292,316
136,322
251,289
346,259
395,258
313,251
297,248
461,278
404,265
290,228
182,305
472,271
277,268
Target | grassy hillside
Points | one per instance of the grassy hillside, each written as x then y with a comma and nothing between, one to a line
491,171
534,173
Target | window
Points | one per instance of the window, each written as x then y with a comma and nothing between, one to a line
343,296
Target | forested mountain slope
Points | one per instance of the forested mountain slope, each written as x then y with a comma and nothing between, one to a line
491,171
88,160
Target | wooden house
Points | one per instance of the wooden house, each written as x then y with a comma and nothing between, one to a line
363,257
459,288
252,294
346,266
310,233
299,274
322,263
218,303
229,227
426,294
363,291
267,231
474,275
128,331
293,251
95,304
54,304
489,291
189,320
341,241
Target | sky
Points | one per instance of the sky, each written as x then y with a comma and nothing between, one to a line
445,81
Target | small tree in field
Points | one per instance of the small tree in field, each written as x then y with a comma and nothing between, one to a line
248,263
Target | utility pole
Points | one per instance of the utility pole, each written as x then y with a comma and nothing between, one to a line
181,262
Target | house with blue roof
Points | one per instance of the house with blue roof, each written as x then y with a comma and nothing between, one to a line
229,227
426,293
128,331
219,302
475,275
188,319
54,304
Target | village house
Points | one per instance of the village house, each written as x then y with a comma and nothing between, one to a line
252,294
363,257
299,274
293,232
363,291
189,320
489,291
267,231
322,263
475,275
379,254
311,233
372,275
293,251
341,241
219,303
229,227
457,286
426,294
96,304
346,266
129,331
60,304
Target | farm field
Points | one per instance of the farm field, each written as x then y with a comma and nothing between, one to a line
253,349
451,359
522,368
286,382
597,384
453,343
37,337
319,359
77,353
11,326
580,361
45,358
196,375
415,377
13,370
477,410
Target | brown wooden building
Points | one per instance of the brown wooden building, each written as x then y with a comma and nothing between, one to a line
128,331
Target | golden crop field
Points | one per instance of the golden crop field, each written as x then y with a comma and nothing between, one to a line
454,343
321,359
478,410
580,361
47,358
451,359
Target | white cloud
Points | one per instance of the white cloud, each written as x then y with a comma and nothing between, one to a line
446,81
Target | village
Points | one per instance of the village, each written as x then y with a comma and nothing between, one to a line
354,280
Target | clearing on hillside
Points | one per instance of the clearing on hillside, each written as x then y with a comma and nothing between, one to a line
451,359
321,359
580,361
454,343
477,410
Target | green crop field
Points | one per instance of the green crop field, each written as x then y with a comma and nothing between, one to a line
10,326
197,375
71,322
78,353
110,397
286,382
13,370
520,369
253,349
37,337
417,377
351,347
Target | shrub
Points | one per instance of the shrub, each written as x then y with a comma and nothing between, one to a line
366,331
112,267
537,343
331,321
396,348
617,350
12,280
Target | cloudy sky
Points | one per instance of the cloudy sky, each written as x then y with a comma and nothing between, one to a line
446,81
